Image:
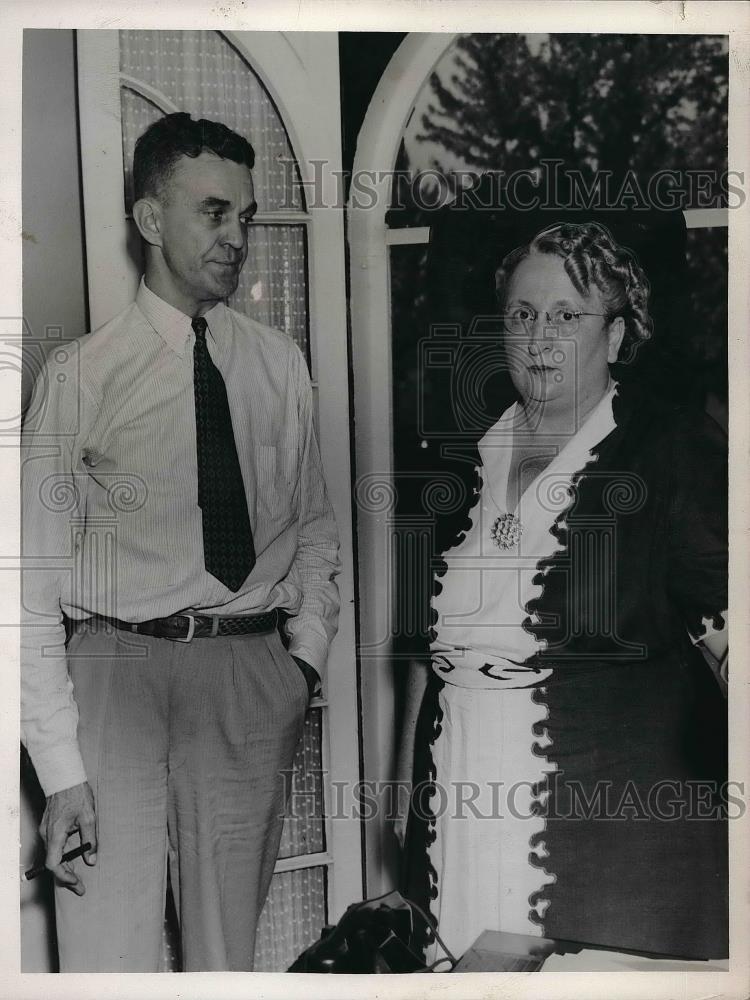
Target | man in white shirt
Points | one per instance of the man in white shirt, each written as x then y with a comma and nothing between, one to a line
174,509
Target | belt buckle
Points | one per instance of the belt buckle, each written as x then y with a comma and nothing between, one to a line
190,631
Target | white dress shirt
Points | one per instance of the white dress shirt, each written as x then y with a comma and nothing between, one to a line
111,523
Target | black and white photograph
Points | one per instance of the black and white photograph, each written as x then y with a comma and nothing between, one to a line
380,486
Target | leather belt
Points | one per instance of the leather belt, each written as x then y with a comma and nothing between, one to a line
185,628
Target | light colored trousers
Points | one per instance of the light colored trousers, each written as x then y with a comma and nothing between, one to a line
188,748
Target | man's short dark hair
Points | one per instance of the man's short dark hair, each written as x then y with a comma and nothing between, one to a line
176,135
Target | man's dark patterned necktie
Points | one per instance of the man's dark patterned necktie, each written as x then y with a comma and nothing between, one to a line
228,550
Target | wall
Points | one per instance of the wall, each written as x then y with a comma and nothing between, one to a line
54,294
54,288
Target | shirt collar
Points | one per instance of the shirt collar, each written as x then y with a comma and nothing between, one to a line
597,425
175,327
575,454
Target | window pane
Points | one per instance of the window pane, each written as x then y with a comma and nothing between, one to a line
272,287
708,290
706,332
594,102
200,72
292,918
304,826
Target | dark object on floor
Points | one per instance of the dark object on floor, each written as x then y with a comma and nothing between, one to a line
374,936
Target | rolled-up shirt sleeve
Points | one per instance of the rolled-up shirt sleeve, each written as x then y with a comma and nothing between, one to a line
317,562
52,503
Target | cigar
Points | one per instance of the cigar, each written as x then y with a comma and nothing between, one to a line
68,856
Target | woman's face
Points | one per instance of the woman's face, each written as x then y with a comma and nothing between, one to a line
548,365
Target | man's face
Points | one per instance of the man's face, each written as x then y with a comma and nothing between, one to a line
205,210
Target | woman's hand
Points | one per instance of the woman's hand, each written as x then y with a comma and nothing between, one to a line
715,649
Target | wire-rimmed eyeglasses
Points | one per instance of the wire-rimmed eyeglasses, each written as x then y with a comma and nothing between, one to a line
520,322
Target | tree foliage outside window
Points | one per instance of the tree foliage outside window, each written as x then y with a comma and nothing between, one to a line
596,102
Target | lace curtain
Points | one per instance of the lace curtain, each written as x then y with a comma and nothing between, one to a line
200,72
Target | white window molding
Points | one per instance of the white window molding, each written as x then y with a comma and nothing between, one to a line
377,149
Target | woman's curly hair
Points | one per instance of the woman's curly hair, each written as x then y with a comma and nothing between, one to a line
592,257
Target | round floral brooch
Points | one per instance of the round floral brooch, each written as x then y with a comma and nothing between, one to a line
506,531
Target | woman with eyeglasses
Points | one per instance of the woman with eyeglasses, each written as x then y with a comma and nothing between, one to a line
570,764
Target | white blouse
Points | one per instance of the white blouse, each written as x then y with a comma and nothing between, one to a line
481,605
